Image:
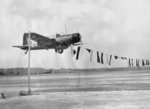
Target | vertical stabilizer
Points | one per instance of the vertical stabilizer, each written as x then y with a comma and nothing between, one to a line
25,39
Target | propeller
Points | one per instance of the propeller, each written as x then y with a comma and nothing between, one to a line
71,46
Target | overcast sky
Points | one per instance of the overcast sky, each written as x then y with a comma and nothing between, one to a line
120,27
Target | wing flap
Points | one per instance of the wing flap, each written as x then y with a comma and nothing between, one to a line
76,44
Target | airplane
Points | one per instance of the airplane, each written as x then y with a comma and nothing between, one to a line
59,44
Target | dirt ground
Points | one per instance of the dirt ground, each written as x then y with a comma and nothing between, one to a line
81,100
111,90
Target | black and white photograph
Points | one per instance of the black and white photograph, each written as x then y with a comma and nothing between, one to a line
74,54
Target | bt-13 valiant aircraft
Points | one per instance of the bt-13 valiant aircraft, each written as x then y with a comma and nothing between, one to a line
59,44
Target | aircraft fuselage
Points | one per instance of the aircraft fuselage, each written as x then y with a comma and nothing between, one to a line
38,42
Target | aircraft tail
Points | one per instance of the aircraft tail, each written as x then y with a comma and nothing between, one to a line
25,39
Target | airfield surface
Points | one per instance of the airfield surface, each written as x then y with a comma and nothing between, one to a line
79,90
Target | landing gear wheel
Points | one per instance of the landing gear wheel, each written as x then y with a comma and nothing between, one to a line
60,51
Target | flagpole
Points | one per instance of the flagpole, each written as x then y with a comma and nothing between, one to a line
29,70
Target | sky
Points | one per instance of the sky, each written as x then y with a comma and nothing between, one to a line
119,27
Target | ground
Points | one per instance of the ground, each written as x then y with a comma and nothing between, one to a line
82,90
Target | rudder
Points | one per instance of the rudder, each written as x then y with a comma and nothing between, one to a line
25,39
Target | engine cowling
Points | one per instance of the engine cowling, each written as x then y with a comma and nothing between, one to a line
76,38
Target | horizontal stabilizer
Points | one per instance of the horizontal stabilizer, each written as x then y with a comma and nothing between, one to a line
21,47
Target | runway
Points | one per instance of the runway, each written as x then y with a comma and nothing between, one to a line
104,90
79,81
